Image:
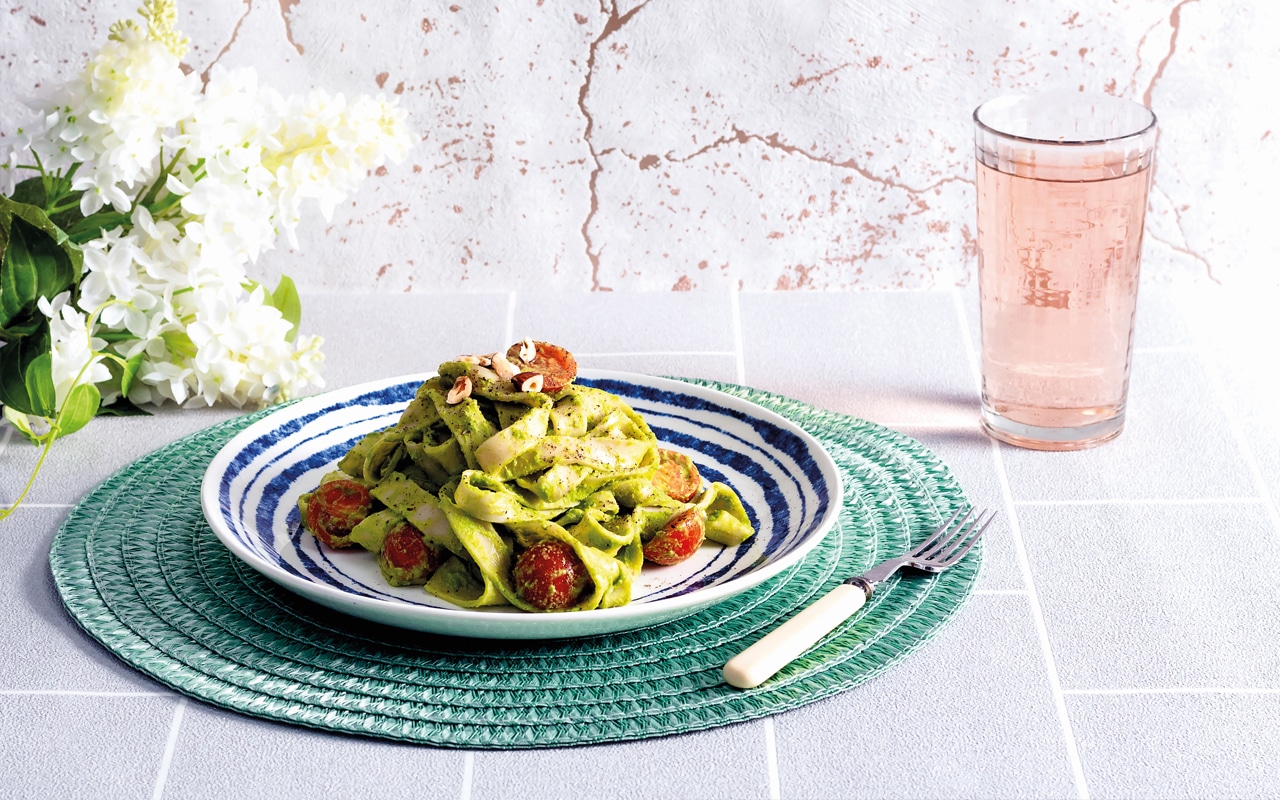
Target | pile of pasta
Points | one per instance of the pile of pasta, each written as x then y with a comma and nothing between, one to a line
487,467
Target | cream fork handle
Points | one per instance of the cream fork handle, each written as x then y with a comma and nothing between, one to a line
784,644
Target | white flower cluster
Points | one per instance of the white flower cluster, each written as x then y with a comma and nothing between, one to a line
114,118
205,179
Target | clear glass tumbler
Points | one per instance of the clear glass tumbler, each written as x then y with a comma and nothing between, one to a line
1062,180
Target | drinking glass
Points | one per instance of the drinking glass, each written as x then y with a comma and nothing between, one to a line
1062,180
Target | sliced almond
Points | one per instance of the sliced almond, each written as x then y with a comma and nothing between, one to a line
528,350
461,390
469,360
501,365
533,383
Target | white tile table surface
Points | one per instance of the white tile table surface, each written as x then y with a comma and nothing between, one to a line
1121,641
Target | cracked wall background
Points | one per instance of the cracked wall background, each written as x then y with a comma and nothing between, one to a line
659,145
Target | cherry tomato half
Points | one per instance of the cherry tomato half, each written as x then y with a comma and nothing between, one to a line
335,508
550,576
678,539
677,476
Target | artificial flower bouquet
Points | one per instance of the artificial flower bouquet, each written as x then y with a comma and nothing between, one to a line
130,211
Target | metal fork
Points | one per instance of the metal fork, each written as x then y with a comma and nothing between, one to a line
945,547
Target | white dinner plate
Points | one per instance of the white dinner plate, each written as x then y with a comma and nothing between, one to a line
788,483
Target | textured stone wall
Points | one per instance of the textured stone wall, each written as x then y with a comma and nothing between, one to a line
661,145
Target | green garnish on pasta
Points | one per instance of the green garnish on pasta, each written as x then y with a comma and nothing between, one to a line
505,483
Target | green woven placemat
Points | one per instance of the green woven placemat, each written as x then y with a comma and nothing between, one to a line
141,572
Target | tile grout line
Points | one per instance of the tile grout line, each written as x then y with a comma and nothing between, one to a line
1042,629
1024,564
4,443
771,760
1173,690
78,693
468,772
1149,501
1242,441
1185,349
40,505
658,353
166,761
740,363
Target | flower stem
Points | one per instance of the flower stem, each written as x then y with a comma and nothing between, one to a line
48,439
165,169
44,451
55,426
67,206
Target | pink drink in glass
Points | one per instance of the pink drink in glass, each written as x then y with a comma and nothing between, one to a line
1062,184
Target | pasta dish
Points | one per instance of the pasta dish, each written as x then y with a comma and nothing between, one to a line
504,482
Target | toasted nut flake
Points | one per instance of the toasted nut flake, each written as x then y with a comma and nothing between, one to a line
528,350
461,390
469,360
501,365
533,383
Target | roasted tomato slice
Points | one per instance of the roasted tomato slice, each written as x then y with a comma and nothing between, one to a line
550,576
677,476
555,364
678,539
335,508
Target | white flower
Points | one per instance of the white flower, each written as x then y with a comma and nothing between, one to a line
160,381
113,117
266,156
73,359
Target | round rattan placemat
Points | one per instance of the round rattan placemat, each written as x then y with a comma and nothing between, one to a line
139,569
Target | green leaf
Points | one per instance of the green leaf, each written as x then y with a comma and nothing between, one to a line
114,337
86,229
16,358
123,372
25,324
80,407
39,382
19,273
30,191
122,408
36,258
22,422
35,216
56,271
179,344
286,301
129,372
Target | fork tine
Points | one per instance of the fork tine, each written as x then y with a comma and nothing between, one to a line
954,540
945,533
973,534
933,539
